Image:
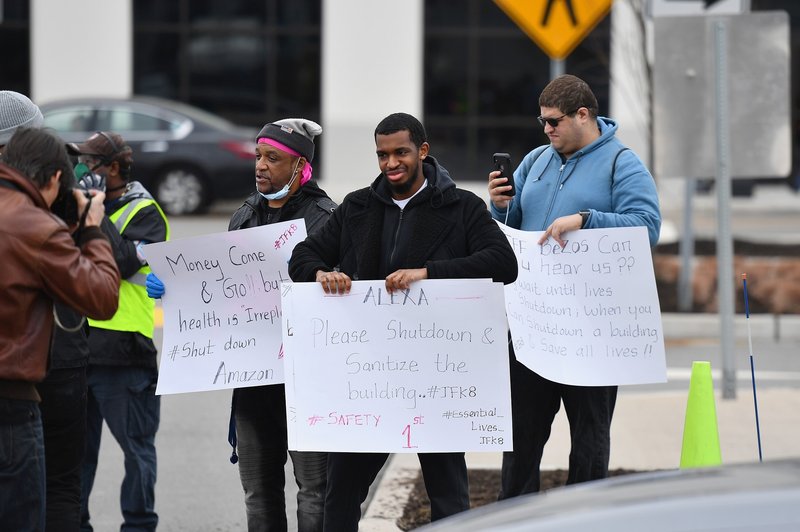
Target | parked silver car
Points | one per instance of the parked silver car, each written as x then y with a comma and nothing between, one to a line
184,156
742,497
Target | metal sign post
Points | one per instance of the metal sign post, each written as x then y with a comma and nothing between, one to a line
723,185
686,248
557,68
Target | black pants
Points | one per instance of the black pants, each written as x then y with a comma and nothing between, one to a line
534,404
351,474
63,409
261,427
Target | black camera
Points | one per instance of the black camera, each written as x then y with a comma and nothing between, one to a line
66,206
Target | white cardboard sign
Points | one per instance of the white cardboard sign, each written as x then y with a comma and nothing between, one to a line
587,314
422,370
222,307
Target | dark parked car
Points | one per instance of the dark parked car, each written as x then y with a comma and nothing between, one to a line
741,497
184,156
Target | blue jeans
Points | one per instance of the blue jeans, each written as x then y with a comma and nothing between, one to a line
535,401
125,397
260,414
21,466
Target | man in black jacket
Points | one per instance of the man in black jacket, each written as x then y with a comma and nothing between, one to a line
411,224
284,191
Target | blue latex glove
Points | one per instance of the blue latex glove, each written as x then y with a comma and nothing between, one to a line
155,288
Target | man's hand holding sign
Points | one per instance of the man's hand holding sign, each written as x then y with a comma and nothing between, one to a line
585,311
421,369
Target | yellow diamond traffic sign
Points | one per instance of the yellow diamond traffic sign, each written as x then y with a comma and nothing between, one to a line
557,26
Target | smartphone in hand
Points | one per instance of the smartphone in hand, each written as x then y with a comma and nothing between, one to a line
502,162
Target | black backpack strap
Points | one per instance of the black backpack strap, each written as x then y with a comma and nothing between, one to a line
326,204
614,165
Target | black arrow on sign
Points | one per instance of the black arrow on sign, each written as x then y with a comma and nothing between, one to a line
568,4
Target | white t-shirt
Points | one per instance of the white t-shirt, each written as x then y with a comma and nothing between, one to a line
403,202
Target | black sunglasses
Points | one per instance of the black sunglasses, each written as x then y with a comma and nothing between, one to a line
554,121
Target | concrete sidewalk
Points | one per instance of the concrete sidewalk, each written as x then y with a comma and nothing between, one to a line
647,430
646,434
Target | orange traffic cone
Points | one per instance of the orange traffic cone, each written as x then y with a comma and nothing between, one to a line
700,432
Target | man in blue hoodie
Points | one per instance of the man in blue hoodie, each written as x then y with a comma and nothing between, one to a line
585,178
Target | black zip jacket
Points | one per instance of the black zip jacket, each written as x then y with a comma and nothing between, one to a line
445,229
309,202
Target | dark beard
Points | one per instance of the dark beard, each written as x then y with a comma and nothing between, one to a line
399,190
403,188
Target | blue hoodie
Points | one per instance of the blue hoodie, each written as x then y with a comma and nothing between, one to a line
549,187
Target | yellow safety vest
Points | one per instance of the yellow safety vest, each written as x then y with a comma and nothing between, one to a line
135,311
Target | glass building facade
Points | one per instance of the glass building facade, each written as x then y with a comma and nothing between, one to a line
15,69
252,61
247,61
483,77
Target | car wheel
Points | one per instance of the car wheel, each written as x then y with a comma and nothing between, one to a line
181,190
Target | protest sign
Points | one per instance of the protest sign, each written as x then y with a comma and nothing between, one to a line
587,314
222,309
419,370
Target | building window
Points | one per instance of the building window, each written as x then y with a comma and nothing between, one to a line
249,61
483,77
15,73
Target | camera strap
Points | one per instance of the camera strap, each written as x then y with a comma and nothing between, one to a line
82,221
65,328
8,184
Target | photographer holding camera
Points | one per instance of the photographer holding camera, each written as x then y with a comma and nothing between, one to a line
123,371
42,264
63,390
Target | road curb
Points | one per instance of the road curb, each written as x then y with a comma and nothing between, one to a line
696,325
391,494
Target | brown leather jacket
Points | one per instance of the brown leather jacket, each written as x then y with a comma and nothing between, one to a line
40,264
